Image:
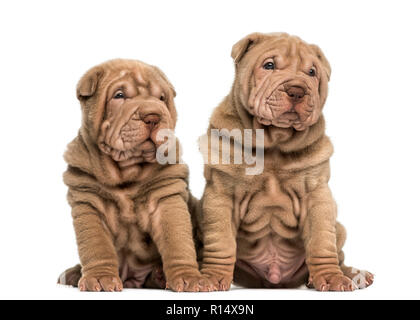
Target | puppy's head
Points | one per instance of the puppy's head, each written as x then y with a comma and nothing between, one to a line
125,103
281,80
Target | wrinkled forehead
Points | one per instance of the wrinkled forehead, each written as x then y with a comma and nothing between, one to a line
286,51
133,81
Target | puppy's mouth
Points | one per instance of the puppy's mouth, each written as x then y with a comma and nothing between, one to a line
287,120
143,152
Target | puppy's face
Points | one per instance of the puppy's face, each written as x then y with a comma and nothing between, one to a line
134,101
283,80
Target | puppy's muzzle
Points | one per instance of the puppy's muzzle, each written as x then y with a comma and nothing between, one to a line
133,131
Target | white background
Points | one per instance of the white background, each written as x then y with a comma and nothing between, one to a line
372,117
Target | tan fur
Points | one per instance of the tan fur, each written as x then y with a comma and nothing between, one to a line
131,217
279,228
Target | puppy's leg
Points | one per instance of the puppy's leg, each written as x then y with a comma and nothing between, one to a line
97,252
320,239
172,233
219,235
361,278
71,276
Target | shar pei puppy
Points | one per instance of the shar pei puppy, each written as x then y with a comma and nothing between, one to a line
131,214
277,228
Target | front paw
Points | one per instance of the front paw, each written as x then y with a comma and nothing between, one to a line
188,282
219,281
331,282
361,278
100,283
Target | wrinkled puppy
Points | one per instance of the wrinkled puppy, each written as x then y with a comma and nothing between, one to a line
131,214
278,228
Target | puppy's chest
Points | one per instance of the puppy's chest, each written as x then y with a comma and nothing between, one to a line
127,215
276,202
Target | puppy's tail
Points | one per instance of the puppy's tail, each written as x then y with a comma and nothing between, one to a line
71,276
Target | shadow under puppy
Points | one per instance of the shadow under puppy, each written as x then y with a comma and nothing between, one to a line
131,214
278,228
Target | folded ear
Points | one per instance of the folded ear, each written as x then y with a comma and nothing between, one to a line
89,83
320,55
242,46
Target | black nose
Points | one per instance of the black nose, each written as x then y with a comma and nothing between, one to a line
295,93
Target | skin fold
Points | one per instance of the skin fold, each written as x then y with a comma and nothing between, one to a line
131,214
277,229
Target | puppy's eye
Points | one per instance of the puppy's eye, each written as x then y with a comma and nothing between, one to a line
119,95
269,66
312,72
162,98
